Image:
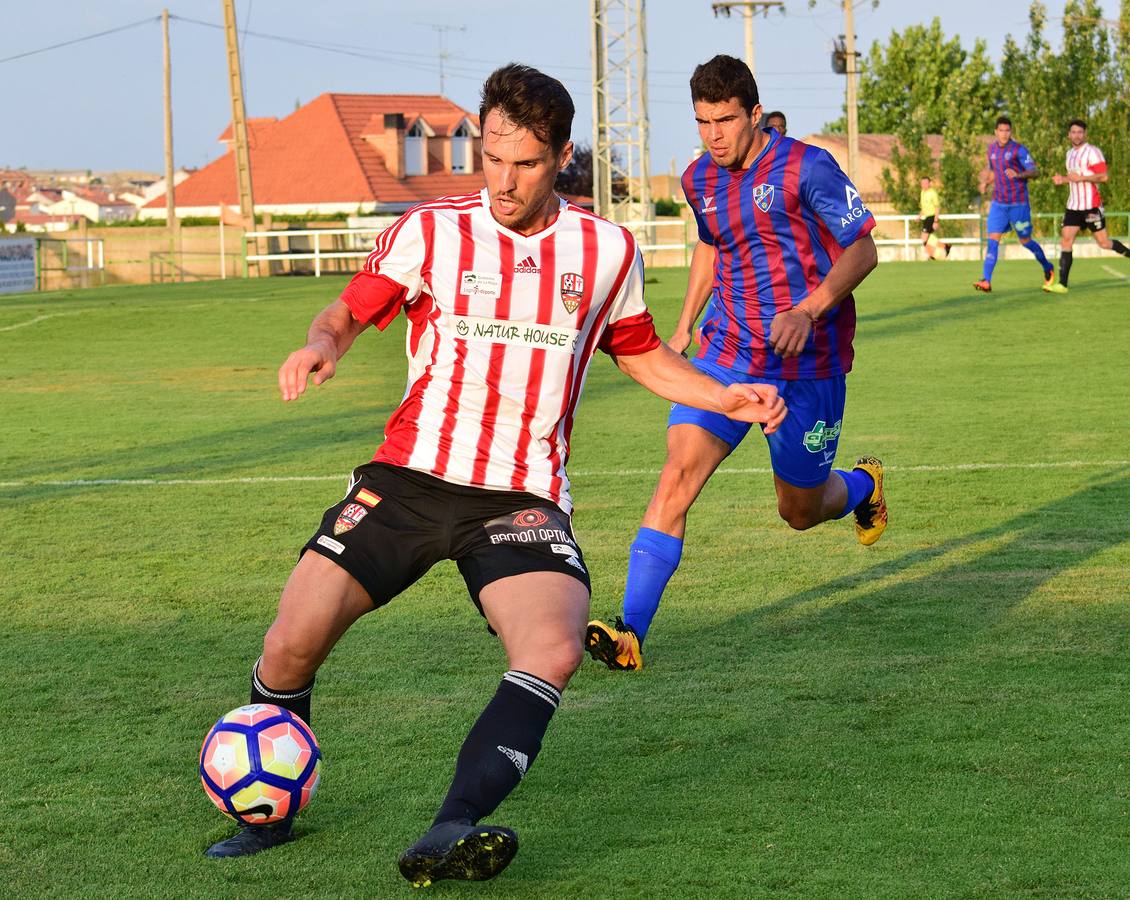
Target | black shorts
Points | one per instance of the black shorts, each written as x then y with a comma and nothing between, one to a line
928,224
395,523
1087,219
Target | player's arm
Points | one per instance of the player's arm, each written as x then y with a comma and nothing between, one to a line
1023,175
700,284
1096,178
331,334
666,373
790,329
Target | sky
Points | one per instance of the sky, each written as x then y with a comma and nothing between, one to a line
98,104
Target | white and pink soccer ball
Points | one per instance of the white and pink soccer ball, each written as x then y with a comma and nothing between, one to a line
260,764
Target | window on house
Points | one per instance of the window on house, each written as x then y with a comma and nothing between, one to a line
416,151
461,150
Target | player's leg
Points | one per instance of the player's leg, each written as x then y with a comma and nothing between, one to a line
540,617
1097,223
1021,217
997,224
1067,236
809,490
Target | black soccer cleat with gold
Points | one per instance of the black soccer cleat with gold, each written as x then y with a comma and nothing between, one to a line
458,850
252,839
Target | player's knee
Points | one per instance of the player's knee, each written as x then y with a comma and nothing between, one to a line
289,656
554,663
1105,243
799,517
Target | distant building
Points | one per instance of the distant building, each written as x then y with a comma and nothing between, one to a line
874,156
92,204
343,154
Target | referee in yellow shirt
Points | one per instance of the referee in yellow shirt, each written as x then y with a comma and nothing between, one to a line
929,205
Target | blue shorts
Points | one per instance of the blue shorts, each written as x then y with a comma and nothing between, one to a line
1009,216
803,448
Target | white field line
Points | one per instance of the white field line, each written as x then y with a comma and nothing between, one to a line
1116,273
36,319
79,312
581,473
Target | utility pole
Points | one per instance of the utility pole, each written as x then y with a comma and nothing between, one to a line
852,92
238,120
748,8
170,187
443,54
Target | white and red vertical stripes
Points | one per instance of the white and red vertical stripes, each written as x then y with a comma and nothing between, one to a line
1086,159
502,327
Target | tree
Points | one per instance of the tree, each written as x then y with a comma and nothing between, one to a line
920,83
576,178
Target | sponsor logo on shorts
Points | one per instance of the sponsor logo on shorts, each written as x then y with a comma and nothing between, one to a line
530,518
325,540
534,536
367,497
573,561
821,435
563,549
349,518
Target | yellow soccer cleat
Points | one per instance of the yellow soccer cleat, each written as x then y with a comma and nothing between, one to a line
1055,288
1049,279
871,514
617,647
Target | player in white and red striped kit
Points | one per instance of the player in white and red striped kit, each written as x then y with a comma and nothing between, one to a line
508,294
1086,170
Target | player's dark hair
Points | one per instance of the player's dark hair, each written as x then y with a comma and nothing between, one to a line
1003,120
776,114
721,78
928,178
530,99
1075,122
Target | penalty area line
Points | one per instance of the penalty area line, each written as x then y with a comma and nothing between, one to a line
1116,273
582,473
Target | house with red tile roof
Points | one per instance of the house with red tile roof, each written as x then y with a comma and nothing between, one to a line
343,153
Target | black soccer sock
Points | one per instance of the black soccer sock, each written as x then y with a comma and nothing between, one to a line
1064,266
298,702
1119,247
500,748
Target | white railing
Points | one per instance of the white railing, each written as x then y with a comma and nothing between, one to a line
648,240
911,238
360,249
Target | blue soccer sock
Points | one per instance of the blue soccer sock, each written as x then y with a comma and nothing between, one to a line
653,559
860,486
990,260
1033,247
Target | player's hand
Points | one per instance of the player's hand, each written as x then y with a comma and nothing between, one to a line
1074,177
1059,179
1011,173
680,340
789,332
313,359
754,403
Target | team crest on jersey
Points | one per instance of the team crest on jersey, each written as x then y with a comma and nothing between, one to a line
763,196
349,518
572,290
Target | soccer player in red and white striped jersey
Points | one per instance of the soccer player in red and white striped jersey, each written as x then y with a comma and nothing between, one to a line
1086,170
508,294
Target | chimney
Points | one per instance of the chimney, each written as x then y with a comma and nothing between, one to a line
391,144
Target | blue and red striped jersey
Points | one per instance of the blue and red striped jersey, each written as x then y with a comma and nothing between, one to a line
1011,156
777,228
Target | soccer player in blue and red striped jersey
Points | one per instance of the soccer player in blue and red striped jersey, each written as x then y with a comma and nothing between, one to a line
1010,168
784,238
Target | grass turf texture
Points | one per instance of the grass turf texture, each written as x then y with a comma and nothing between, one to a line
943,714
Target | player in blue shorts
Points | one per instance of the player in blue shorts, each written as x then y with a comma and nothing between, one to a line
784,238
1010,168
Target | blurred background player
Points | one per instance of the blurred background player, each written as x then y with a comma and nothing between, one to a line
929,205
784,238
1010,168
1086,168
776,119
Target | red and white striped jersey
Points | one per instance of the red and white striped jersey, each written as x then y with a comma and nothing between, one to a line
1086,159
501,330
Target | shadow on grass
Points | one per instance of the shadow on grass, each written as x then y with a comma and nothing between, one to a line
1077,527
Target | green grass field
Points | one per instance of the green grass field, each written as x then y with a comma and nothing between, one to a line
943,714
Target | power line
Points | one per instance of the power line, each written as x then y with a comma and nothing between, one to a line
88,37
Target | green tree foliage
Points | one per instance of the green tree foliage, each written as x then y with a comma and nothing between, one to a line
918,83
1043,89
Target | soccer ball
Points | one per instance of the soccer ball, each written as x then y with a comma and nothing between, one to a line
260,764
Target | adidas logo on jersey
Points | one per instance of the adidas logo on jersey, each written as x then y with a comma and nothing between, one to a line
528,266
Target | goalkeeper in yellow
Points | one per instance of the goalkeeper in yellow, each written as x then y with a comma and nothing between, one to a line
928,207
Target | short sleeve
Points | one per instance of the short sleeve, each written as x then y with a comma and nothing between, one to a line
630,329
1027,164
391,276
826,190
704,234
1097,163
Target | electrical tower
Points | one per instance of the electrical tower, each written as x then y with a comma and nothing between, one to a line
620,176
